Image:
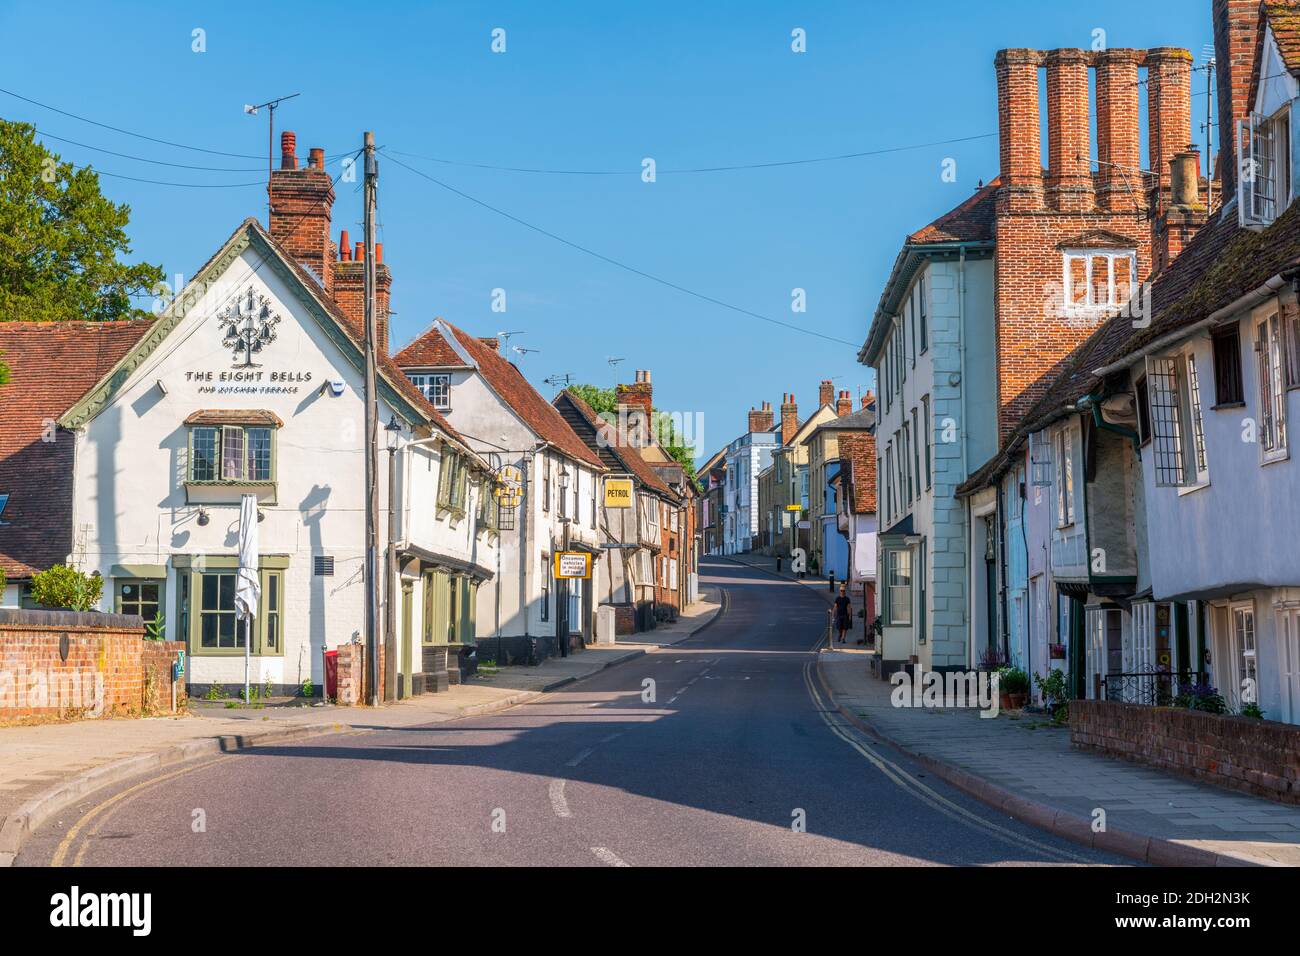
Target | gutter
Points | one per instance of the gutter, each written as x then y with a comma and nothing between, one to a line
1093,402
1249,300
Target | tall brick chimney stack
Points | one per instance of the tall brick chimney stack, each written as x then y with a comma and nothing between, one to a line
868,399
1236,31
760,419
826,393
1119,147
1019,137
1069,164
1185,213
349,289
789,418
844,404
1169,110
301,201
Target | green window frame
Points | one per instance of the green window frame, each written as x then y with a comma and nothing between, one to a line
205,608
453,479
487,506
144,596
226,454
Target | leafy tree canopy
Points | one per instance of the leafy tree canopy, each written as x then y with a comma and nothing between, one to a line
60,239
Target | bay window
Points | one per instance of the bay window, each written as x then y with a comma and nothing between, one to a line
898,581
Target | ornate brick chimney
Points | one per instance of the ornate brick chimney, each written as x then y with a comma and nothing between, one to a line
1236,32
350,288
826,393
301,201
844,404
760,419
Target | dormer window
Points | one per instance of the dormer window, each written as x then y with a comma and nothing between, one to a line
436,387
1264,182
1098,280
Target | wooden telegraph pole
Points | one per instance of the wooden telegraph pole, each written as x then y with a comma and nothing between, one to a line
372,432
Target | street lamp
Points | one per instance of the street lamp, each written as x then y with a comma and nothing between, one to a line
392,432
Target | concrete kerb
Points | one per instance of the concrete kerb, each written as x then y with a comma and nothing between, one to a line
1144,848
18,826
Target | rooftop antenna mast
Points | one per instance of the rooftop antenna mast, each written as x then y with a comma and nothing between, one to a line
269,106
1208,125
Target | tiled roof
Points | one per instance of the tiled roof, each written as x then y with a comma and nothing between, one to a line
1284,19
972,221
53,364
864,419
625,456
428,351
506,380
859,449
235,416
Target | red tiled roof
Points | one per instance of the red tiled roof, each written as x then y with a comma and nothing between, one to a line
859,448
52,364
428,351
1284,19
972,221
507,381
628,455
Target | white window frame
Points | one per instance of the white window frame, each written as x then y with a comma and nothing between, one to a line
1270,372
1264,177
895,558
1196,466
1064,448
1177,418
1113,258
436,387
1245,660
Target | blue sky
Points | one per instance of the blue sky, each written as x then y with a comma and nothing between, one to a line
585,86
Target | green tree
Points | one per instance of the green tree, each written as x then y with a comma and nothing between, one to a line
605,401
63,586
60,239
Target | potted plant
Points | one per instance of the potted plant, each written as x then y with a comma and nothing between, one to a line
1055,690
1013,687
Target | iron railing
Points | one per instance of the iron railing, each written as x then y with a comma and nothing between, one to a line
1152,688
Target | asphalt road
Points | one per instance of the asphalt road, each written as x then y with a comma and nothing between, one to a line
736,759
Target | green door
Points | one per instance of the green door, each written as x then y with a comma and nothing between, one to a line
407,670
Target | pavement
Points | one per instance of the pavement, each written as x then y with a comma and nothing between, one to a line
720,749
47,768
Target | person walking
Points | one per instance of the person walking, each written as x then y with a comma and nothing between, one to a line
843,614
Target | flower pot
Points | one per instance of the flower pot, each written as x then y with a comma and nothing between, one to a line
1017,700
1004,701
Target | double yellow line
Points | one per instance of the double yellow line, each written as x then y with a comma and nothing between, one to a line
927,795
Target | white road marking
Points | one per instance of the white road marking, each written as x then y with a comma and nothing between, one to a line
580,758
605,740
558,803
608,856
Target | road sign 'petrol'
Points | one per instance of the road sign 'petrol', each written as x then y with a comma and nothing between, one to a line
618,492
572,564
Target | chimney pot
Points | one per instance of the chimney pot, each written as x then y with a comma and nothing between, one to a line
345,250
316,158
360,253
288,146
379,252
1184,177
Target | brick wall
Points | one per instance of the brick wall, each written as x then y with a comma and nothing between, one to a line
1261,757
69,664
1040,213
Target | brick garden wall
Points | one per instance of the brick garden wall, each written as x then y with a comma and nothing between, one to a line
1260,757
69,664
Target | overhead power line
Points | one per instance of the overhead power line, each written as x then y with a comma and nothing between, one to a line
696,169
142,159
621,265
127,132
159,182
